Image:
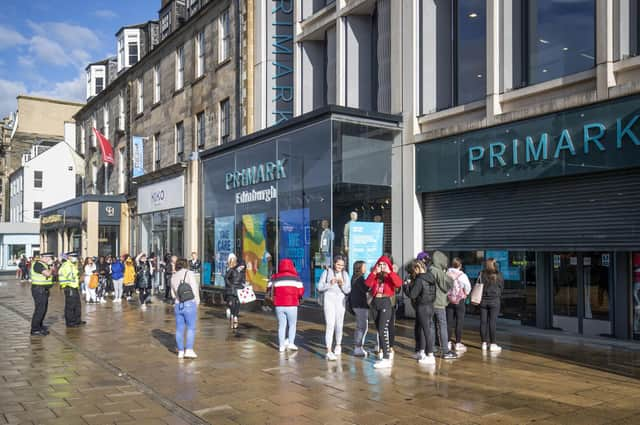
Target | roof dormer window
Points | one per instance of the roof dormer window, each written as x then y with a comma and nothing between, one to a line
129,51
96,76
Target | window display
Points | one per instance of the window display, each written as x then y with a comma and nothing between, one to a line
636,295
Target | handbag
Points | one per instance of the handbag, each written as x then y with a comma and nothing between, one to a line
476,292
246,295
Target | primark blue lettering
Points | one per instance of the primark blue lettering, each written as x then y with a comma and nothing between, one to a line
256,174
590,138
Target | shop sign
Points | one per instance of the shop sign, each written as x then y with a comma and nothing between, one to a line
138,156
583,140
256,174
264,195
164,195
109,213
281,34
52,219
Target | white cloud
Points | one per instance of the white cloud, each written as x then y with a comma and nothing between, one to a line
105,13
68,35
8,92
10,38
67,90
48,51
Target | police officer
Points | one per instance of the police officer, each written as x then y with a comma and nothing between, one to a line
40,284
69,282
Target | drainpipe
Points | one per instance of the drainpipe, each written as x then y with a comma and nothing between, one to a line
238,72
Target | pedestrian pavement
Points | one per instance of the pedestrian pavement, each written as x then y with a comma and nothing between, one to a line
121,368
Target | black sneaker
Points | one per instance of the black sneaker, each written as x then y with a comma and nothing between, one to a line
449,355
38,333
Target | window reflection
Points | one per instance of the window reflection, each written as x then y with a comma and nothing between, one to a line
561,38
471,55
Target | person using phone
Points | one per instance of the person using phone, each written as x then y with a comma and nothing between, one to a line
334,285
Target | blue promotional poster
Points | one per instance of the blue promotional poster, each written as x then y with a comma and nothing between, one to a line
295,242
138,156
365,242
502,258
223,239
206,274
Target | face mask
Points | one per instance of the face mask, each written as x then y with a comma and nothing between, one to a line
73,259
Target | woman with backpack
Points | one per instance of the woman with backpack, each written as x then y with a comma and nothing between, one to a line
493,285
144,279
334,285
234,280
421,289
358,298
186,293
457,298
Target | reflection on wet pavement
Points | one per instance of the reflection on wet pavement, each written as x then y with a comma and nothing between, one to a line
122,368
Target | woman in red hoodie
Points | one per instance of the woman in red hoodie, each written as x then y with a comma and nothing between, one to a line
287,292
383,282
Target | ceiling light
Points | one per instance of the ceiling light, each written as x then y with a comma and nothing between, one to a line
544,70
565,49
543,41
479,75
473,15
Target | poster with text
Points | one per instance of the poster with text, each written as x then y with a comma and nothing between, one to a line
138,156
365,242
295,242
502,258
254,248
223,240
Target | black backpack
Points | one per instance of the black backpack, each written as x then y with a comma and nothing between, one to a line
185,293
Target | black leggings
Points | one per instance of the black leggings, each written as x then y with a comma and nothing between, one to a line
455,315
234,305
144,294
383,311
424,322
488,318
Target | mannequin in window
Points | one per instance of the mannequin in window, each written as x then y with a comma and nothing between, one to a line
326,242
353,217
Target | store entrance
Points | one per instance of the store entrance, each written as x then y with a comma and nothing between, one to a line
582,292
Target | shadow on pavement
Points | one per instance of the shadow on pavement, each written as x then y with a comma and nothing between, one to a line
165,338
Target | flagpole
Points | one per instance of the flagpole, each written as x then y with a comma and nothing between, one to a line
106,178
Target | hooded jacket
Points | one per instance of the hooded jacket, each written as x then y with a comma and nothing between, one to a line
129,272
443,282
391,279
287,286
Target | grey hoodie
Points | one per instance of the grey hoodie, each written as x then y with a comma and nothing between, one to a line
443,282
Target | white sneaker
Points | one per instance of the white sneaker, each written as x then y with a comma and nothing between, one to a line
380,354
128,298
428,359
228,313
461,347
292,347
103,301
331,356
419,354
181,354
383,364
282,348
143,307
190,354
391,354
338,350
449,346
485,347
495,348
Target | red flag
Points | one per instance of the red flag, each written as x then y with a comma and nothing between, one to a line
105,147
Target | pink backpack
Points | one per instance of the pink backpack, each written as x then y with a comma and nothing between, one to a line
456,294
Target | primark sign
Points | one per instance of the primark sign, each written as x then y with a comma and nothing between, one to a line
280,36
578,141
266,172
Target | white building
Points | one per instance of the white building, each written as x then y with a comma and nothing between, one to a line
47,177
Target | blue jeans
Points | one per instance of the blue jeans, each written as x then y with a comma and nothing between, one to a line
186,314
286,315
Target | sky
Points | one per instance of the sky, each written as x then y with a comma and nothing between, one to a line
45,45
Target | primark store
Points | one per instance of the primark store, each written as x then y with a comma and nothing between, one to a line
555,200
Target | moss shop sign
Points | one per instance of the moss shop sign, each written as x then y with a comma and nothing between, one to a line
577,141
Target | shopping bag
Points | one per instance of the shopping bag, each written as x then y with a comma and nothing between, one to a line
246,295
476,293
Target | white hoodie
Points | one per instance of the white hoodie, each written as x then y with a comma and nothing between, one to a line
462,278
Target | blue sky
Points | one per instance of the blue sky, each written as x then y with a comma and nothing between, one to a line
46,44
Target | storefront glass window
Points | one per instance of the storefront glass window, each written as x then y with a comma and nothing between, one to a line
162,232
470,51
15,253
293,196
519,271
176,232
108,237
555,48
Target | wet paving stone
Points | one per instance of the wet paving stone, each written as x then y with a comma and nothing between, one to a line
122,369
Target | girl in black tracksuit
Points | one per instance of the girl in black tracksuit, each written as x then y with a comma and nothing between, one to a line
234,280
422,291
493,283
